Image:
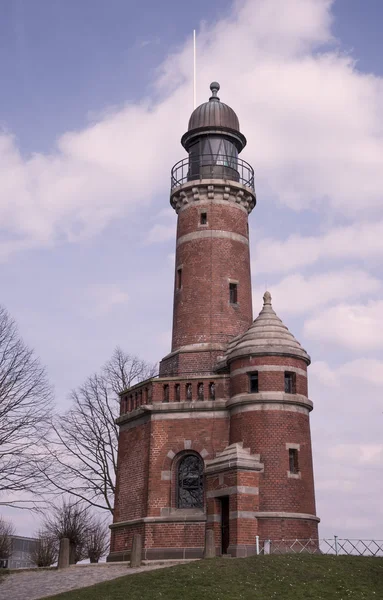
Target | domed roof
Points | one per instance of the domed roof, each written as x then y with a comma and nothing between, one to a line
213,113
266,336
213,118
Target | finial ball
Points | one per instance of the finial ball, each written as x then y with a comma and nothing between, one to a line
267,298
214,86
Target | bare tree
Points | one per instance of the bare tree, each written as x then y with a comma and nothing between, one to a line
45,552
97,542
72,521
25,407
81,454
7,530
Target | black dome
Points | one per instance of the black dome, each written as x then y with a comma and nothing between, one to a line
214,117
213,113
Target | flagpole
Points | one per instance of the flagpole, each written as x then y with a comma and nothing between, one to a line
194,70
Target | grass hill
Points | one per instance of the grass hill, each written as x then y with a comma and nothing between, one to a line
289,577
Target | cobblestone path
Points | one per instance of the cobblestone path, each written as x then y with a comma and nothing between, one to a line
33,585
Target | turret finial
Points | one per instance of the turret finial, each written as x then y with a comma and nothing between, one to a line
267,299
214,86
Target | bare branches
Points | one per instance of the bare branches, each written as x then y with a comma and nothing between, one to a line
7,530
81,453
97,542
25,406
45,551
70,521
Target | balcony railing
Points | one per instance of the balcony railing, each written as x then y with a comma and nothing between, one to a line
212,166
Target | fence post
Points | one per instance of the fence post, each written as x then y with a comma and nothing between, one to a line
257,544
336,545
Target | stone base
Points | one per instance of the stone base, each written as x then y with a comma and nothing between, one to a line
241,551
159,554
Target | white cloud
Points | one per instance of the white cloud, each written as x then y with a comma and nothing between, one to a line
355,326
161,233
358,241
102,298
297,294
347,445
312,119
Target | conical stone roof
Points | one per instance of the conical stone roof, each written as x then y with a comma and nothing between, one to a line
266,336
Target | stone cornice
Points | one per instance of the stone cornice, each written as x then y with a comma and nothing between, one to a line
223,190
269,398
211,408
147,411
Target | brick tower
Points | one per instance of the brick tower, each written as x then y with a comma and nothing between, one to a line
221,439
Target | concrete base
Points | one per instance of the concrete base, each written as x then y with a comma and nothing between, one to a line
241,551
159,554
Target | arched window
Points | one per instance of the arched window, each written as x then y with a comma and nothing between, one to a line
190,482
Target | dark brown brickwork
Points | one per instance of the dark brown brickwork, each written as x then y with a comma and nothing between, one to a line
202,311
267,432
200,404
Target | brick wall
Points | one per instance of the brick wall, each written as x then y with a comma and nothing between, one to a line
202,311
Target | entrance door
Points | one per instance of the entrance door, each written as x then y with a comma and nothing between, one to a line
225,531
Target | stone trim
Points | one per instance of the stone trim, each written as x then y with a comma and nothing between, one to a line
242,550
270,406
205,202
166,475
175,517
270,397
268,368
212,233
286,515
292,446
214,518
291,475
196,414
242,514
222,190
201,347
235,489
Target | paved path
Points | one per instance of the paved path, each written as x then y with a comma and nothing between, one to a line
33,585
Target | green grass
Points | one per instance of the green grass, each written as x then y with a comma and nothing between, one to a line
293,577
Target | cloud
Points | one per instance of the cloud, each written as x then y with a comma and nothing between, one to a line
347,446
357,327
161,233
298,294
102,298
312,119
359,241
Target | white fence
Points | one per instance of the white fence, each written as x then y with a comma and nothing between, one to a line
337,546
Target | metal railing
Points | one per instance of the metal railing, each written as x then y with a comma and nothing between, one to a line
212,166
336,546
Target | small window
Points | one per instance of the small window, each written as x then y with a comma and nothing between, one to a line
212,390
166,393
203,218
253,382
200,392
233,293
146,395
189,392
136,400
293,461
177,392
179,278
289,383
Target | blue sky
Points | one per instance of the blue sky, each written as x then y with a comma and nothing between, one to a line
95,97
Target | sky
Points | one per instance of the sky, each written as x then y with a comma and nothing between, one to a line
95,96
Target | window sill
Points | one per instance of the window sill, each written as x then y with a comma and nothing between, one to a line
291,475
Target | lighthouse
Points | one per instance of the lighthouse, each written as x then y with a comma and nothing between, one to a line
221,438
